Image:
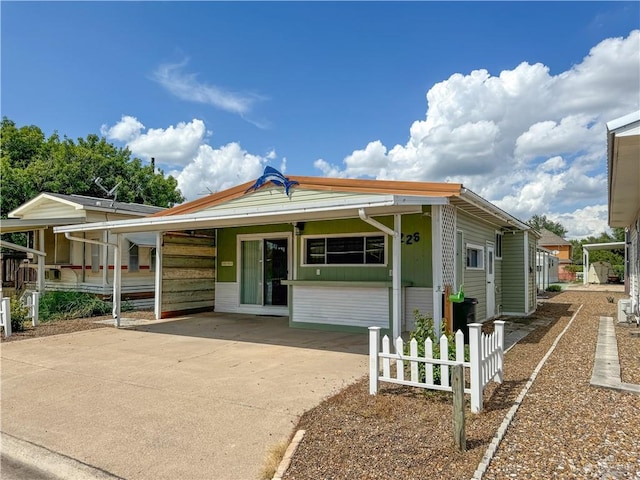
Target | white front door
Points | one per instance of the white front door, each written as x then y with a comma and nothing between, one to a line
491,284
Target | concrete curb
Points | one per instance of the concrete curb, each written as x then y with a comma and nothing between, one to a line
606,367
286,460
55,465
502,430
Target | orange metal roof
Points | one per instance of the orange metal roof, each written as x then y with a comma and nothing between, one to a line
388,187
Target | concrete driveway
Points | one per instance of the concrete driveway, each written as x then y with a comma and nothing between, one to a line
200,397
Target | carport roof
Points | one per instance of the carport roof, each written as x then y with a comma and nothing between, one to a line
377,197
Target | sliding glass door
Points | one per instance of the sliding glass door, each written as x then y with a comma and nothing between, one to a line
264,263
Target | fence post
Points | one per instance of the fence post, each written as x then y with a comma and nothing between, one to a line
475,358
499,330
457,384
374,365
6,316
35,304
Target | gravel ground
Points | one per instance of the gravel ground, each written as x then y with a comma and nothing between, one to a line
629,353
564,428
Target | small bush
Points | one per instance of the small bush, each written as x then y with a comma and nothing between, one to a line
425,329
554,288
68,305
19,314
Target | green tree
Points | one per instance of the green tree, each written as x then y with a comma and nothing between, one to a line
31,164
541,221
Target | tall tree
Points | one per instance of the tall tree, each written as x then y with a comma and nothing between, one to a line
541,221
31,164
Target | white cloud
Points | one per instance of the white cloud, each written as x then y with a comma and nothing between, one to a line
532,142
215,169
583,222
199,168
170,146
186,86
125,130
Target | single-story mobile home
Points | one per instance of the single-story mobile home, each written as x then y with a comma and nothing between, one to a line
57,263
340,254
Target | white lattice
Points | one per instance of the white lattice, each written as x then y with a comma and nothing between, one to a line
448,244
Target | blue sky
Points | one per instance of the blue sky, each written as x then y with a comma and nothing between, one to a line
518,93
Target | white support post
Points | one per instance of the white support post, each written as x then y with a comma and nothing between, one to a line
117,278
35,307
499,331
475,358
41,262
374,361
6,316
585,266
436,262
397,276
157,305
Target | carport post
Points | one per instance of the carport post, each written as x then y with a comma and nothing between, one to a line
585,266
117,279
157,304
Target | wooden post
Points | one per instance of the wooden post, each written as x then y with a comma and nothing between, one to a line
448,310
374,365
459,436
499,331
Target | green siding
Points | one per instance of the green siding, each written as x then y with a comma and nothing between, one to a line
513,272
477,232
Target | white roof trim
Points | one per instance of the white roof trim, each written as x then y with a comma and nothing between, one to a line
18,212
342,208
625,121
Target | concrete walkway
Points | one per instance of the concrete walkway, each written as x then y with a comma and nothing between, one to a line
202,397
606,367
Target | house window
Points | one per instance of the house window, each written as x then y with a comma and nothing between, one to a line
346,250
475,257
498,245
134,259
95,258
152,259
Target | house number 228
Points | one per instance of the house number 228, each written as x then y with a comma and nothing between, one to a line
410,238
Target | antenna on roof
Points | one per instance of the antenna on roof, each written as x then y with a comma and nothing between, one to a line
205,193
110,193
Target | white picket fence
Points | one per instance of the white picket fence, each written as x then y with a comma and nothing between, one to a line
486,355
33,302
5,316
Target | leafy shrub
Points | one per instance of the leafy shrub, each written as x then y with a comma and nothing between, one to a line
554,288
424,328
67,305
19,314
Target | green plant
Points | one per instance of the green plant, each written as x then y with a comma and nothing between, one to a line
19,314
67,305
554,288
424,329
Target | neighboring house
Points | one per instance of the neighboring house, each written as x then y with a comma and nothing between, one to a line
562,249
74,266
339,254
623,165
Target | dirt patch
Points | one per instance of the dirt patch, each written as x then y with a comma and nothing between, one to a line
68,326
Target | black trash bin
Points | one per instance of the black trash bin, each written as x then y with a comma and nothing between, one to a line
464,313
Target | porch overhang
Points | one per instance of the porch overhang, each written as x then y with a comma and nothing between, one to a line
14,225
623,162
376,205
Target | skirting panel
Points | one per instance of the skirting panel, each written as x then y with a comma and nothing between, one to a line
360,307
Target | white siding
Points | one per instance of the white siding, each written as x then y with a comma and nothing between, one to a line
227,295
416,298
274,196
634,266
359,307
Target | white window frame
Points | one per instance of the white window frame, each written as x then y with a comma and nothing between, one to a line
303,260
95,256
133,266
481,254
